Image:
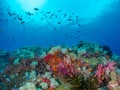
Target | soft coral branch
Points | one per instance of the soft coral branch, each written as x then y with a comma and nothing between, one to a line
103,70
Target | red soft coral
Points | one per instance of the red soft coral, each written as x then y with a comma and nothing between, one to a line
47,58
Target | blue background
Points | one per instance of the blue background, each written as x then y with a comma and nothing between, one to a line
100,23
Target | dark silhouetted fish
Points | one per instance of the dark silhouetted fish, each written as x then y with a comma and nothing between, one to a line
28,13
22,22
76,18
79,25
54,28
58,22
19,18
59,10
72,23
47,12
70,19
11,14
51,15
65,15
36,9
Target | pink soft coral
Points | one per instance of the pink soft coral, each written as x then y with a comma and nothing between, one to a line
103,70
66,69
100,73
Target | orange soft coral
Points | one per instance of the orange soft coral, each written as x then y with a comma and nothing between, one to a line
51,89
53,60
62,64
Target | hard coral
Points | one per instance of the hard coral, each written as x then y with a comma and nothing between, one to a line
113,84
28,86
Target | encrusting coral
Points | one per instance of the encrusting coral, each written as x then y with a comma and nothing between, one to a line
113,84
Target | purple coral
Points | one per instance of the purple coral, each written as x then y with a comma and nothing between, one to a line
110,66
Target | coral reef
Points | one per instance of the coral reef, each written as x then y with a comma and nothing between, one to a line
86,66
4,56
80,82
28,86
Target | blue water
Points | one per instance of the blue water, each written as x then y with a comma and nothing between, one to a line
59,22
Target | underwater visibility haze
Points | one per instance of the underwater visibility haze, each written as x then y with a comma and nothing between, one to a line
50,23
60,44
